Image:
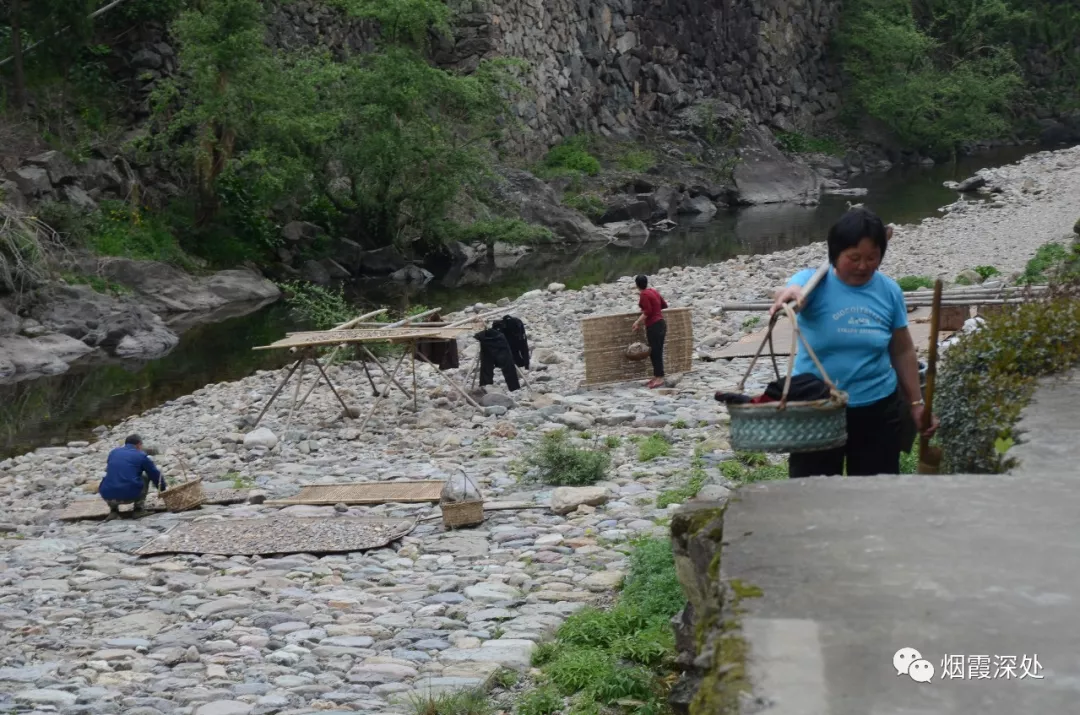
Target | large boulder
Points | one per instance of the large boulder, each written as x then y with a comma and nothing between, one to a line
382,261
165,289
241,285
22,357
124,329
58,167
537,203
566,499
761,179
32,181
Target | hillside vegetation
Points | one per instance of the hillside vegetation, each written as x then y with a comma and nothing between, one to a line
387,149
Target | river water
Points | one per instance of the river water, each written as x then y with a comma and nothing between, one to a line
56,410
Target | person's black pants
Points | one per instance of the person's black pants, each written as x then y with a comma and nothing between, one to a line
655,334
495,351
876,436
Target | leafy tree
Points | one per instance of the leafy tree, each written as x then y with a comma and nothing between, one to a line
386,139
932,94
62,27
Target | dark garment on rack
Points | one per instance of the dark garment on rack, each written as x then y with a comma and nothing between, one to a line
443,353
514,330
495,351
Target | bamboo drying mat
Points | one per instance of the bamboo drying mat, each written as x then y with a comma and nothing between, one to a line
96,508
337,337
747,346
365,493
606,338
277,535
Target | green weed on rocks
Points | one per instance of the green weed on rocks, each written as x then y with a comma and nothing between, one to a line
560,463
654,446
750,467
620,655
690,489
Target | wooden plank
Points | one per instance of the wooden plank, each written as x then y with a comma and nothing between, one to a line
409,492
746,347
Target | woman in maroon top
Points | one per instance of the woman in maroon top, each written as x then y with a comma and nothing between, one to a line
652,304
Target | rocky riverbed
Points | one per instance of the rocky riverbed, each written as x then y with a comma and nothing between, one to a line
87,627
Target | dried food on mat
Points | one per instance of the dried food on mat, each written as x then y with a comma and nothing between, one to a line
278,535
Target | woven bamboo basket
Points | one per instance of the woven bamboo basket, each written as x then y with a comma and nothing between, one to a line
457,514
786,427
184,496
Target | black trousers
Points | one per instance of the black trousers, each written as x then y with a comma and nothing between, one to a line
495,351
655,334
877,434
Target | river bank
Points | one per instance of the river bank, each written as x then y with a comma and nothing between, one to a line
88,628
56,410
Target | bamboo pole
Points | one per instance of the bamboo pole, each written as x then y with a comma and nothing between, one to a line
930,457
764,306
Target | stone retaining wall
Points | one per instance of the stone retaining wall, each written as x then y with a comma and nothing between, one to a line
623,66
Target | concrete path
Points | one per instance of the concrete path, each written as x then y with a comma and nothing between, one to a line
853,570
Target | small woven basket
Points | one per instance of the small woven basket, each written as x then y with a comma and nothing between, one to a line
184,496
787,427
457,514
638,351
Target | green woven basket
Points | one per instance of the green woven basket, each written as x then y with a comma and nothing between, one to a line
786,427
797,427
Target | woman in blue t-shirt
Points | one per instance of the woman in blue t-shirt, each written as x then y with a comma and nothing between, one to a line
856,322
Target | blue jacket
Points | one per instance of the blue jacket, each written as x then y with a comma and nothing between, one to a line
123,474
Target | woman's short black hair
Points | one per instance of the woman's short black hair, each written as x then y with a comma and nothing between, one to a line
853,227
642,282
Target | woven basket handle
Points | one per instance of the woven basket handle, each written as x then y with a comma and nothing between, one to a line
468,480
796,337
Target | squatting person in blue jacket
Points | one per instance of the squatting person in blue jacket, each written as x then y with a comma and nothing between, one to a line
128,475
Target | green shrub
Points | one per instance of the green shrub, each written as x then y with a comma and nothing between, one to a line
988,376
562,464
321,307
653,447
590,205
463,702
625,652
119,229
910,283
499,230
987,271
572,155
1051,260
542,701
637,160
795,143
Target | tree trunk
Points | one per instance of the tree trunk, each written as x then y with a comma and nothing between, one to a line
19,78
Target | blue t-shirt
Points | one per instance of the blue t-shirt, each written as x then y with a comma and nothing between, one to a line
850,328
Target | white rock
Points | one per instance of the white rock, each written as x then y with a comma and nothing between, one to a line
491,592
508,653
565,499
261,437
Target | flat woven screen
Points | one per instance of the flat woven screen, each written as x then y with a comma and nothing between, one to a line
606,338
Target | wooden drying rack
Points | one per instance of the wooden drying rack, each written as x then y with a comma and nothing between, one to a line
361,332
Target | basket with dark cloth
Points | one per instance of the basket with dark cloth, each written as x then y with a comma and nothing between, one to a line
809,418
